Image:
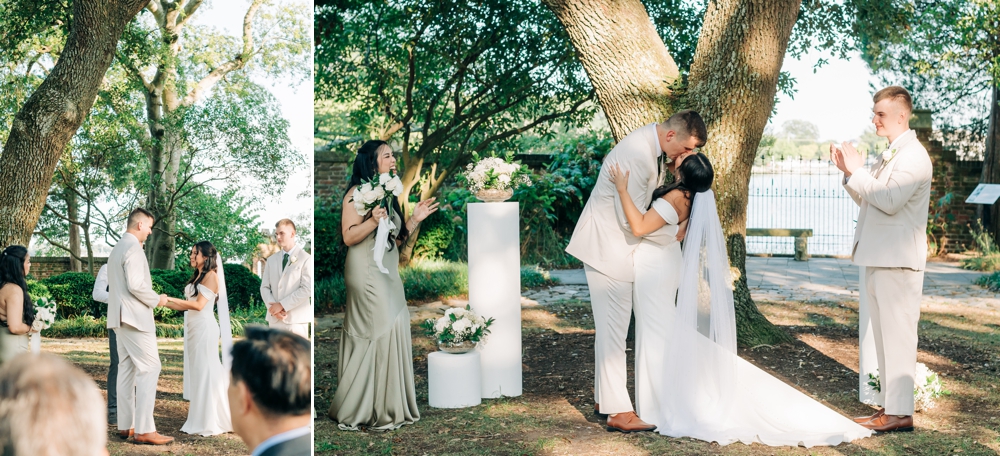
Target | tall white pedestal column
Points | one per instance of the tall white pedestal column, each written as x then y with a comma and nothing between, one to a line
495,291
867,356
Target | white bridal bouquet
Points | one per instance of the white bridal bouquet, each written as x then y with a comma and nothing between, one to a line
927,386
458,327
495,174
378,192
45,314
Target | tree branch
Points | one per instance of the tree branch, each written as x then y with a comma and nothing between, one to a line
236,63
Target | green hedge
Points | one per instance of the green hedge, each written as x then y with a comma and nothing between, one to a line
423,280
331,252
78,315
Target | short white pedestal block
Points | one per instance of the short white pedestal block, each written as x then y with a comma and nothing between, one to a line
867,357
453,380
495,291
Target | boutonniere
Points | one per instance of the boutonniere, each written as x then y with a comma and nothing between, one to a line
293,259
888,154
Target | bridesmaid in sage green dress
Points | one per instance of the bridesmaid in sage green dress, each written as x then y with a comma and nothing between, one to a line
375,374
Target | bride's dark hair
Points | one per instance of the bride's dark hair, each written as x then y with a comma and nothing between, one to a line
364,169
12,271
694,175
208,251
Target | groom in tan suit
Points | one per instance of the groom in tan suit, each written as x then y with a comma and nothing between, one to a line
891,242
131,301
603,241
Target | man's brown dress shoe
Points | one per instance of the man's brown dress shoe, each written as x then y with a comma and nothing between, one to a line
597,411
890,423
865,419
152,438
124,435
628,422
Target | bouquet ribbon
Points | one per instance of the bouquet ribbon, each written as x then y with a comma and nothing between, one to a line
382,242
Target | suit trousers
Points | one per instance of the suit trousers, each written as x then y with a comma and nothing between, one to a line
611,302
138,372
301,329
894,303
112,373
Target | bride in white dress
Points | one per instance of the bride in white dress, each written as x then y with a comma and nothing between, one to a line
699,387
206,377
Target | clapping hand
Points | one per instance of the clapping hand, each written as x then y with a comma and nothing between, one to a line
846,158
618,178
424,209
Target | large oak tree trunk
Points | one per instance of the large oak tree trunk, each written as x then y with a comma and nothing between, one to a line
732,84
53,113
991,161
733,81
627,63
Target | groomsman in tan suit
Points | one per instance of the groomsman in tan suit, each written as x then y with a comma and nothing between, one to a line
891,242
603,241
131,301
286,283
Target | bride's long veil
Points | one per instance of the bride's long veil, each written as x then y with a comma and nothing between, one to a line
225,327
700,375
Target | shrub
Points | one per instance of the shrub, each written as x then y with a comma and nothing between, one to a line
73,293
78,326
428,279
331,293
252,315
436,233
534,277
989,254
331,252
243,288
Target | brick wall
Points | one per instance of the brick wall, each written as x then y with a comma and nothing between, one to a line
330,170
45,267
954,176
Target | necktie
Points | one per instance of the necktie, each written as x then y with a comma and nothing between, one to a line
661,161
284,262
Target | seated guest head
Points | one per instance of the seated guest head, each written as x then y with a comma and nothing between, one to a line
15,264
270,392
49,407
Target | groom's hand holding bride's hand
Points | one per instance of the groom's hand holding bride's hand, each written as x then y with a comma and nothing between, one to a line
163,300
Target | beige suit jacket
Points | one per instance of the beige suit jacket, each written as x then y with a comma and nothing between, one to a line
602,238
131,298
291,287
894,199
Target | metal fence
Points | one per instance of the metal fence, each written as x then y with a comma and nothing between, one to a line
801,194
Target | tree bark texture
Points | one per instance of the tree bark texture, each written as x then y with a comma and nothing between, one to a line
625,59
49,119
733,81
991,160
72,212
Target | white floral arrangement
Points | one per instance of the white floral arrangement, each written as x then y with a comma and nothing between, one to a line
376,192
45,314
495,173
927,386
458,325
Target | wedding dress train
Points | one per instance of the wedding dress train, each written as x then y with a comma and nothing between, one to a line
712,394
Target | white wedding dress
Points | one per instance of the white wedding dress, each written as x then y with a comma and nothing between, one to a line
708,392
657,260
205,378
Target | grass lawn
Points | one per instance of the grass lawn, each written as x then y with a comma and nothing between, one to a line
171,410
553,416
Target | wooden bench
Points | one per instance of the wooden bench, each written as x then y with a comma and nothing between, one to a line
801,238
